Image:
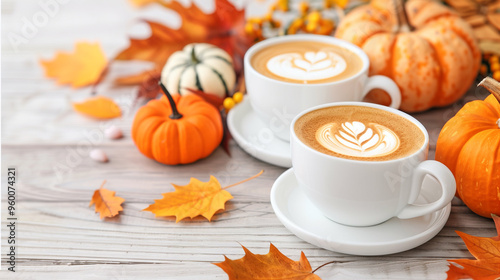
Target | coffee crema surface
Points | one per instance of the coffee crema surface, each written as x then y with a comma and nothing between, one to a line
359,133
306,62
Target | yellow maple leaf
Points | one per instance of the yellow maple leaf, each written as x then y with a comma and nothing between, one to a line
197,198
81,68
99,107
106,203
273,265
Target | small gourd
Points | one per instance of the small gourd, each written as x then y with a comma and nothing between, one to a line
202,67
469,145
177,129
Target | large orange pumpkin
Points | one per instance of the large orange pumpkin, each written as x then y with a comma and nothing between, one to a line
177,129
426,49
469,144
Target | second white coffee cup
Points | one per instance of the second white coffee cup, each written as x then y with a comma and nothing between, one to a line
277,101
367,192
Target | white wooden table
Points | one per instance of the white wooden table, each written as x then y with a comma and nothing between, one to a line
60,237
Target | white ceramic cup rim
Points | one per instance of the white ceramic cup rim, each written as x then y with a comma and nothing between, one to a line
360,104
307,37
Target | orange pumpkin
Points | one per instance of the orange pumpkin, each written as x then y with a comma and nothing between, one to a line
177,130
426,49
469,144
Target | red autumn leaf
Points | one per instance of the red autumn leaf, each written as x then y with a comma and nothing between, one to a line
208,97
486,250
274,265
157,48
224,28
149,88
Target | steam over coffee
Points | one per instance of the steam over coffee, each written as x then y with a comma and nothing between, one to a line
360,133
306,62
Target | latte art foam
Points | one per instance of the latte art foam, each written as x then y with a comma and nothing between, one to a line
359,133
357,139
308,66
306,62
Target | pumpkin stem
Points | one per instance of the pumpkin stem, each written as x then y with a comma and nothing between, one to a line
492,86
194,59
175,113
402,17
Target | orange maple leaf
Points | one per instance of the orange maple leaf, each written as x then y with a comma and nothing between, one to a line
99,107
223,28
157,48
273,265
106,203
194,199
81,68
486,250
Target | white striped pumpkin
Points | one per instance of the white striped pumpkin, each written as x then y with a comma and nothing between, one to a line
199,66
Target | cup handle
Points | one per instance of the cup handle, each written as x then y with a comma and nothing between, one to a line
445,179
384,83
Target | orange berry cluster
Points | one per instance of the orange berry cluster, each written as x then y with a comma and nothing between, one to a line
490,65
229,102
255,25
330,3
308,20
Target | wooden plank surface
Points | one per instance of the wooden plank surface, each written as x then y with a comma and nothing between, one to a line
59,236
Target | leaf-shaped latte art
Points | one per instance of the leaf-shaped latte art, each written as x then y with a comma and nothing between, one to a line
357,139
308,66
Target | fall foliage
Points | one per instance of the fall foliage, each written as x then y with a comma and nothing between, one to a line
87,65
99,107
81,68
210,98
486,250
224,27
106,203
273,265
194,199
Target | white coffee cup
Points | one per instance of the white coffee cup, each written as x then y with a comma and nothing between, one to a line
365,193
278,102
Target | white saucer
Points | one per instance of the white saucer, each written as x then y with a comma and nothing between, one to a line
255,137
300,216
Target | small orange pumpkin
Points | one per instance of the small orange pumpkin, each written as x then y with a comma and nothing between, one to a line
469,144
177,129
428,50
